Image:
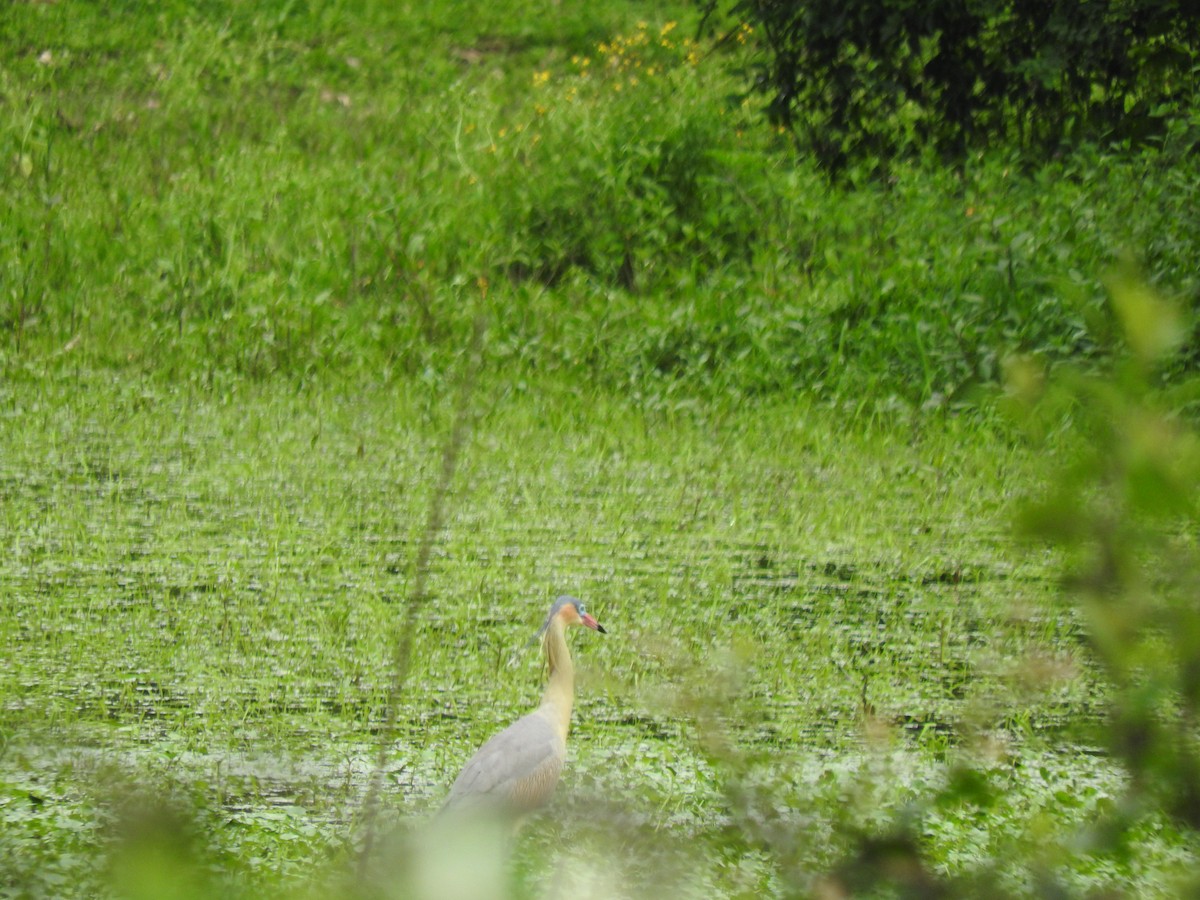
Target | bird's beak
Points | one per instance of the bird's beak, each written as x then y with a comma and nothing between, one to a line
592,623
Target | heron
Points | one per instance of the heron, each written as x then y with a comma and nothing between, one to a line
516,771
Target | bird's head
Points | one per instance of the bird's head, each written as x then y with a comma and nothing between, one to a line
569,611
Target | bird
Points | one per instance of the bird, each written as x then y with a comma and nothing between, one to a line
515,772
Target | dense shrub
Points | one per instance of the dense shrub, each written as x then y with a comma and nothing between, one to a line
860,78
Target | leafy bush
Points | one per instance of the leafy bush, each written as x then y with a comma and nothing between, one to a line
1125,509
864,79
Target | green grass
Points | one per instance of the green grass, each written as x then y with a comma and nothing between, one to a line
252,192
245,251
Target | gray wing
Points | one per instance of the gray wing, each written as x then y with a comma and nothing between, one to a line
518,767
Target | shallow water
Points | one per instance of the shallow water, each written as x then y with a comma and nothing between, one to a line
214,588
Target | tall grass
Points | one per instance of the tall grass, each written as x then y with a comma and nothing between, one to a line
267,192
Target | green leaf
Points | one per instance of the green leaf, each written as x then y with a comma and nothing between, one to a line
1152,325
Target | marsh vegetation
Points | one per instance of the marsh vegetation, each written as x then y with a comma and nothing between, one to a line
832,459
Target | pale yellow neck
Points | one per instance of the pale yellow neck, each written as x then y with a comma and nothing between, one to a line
559,695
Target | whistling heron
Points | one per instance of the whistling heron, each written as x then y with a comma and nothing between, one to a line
516,771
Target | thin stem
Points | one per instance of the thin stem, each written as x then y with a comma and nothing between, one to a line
401,660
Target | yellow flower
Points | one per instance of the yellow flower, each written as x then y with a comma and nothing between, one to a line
667,29
540,78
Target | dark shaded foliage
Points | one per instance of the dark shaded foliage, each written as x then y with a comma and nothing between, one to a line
865,79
